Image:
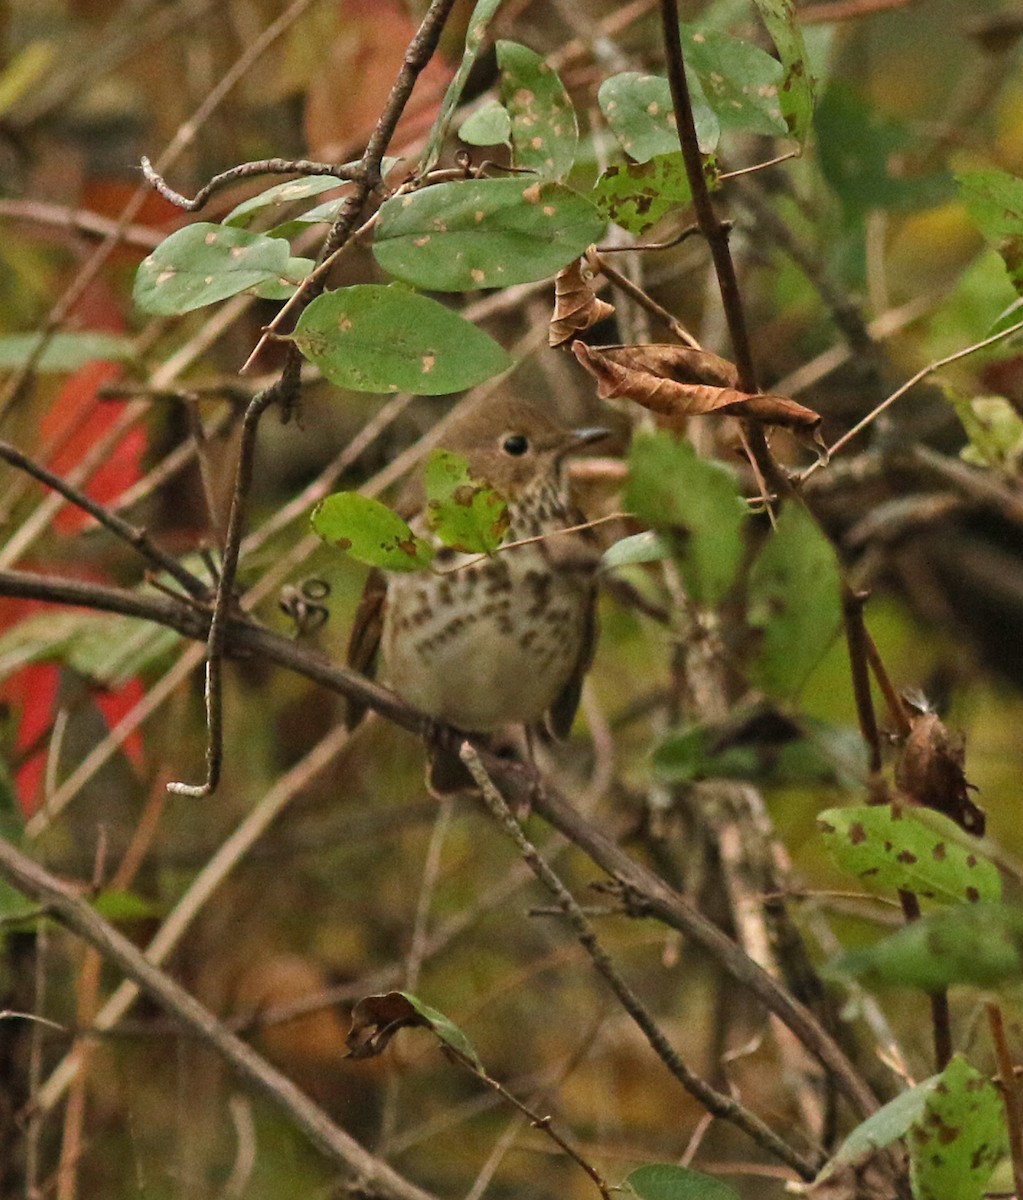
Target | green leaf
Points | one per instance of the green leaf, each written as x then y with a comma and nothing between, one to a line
488,126
995,431
281,194
637,195
287,283
465,513
980,944
370,532
995,202
671,488
445,1029
475,33
959,1137
880,1129
739,81
860,150
64,351
795,597
796,87
639,548
909,850
821,755
639,111
664,1181
105,648
375,338
544,131
461,236
203,263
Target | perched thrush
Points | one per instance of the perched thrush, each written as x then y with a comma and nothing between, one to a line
482,644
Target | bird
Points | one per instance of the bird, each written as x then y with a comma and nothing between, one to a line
482,643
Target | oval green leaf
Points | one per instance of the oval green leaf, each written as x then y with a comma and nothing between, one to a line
445,1029
994,200
638,548
465,513
739,81
484,233
370,532
204,263
375,338
980,944
672,489
905,851
665,1181
488,126
880,1129
639,111
280,194
475,34
796,88
544,130
795,596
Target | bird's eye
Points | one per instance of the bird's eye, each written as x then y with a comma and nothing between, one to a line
515,444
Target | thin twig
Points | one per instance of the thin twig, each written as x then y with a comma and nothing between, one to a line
941,1017
910,383
344,173
1010,1092
600,264
716,1102
538,1122
200,890
715,232
856,639
138,539
77,915
182,139
419,52
648,892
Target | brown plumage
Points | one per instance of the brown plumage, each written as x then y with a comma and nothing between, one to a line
484,644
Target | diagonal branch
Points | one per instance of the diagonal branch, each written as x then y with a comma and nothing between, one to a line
77,915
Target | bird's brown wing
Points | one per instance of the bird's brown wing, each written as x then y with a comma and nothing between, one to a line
562,711
364,640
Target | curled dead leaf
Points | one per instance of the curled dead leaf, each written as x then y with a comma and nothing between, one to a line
678,381
375,1020
576,306
930,770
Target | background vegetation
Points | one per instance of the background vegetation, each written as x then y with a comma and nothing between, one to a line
682,998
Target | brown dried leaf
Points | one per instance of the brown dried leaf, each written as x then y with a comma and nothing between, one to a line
677,381
930,771
375,1020
576,306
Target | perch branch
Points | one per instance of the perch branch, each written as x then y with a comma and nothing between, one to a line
77,915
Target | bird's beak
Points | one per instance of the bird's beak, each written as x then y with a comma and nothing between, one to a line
588,436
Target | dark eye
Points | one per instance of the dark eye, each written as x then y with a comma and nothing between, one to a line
515,444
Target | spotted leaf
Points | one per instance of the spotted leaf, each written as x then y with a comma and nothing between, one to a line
909,849
484,233
374,338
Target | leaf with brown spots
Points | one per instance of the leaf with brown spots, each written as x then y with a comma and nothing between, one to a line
544,129
677,381
959,1137
930,772
464,512
908,849
576,304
